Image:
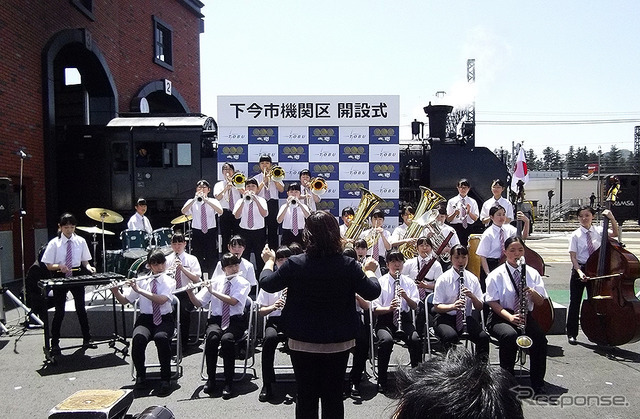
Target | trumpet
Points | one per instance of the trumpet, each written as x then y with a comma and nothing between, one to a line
293,202
399,333
238,180
248,196
462,296
523,341
277,173
200,197
318,186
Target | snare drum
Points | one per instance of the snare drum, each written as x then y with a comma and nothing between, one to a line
162,238
134,243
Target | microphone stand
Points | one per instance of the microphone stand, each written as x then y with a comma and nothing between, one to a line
23,156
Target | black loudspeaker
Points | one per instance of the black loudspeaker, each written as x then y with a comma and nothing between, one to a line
5,191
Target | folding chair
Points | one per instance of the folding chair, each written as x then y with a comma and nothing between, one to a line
247,343
373,355
176,368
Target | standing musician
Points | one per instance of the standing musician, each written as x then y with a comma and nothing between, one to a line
380,238
156,321
462,211
491,246
187,270
236,247
393,316
139,221
445,229
268,190
583,242
397,237
225,192
65,255
412,268
252,211
204,234
226,297
292,215
512,310
310,199
456,292
497,188
347,215
271,305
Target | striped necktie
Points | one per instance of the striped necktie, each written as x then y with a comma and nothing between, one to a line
178,274
250,216
226,309
463,213
422,291
590,247
69,259
203,217
501,241
294,222
157,316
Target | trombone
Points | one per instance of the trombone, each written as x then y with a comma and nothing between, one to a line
238,180
277,173
318,186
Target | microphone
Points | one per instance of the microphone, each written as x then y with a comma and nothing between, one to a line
22,154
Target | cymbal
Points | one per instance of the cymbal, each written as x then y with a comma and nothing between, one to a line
95,230
182,219
100,214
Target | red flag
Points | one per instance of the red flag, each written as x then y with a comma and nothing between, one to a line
520,172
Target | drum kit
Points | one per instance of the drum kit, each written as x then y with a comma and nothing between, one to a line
135,243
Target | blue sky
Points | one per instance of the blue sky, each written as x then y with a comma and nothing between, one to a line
538,60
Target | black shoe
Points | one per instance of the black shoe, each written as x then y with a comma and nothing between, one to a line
537,391
88,344
265,393
55,350
226,391
572,340
165,389
141,382
355,391
382,388
209,387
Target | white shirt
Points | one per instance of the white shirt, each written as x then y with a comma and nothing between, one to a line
447,289
445,230
239,290
258,219
491,202
412,267
381,249
266,299
165,286
272,187
189,262
578,242
224,202
288,215
196,211
139,222
310,201
500,287
388,292
455,203
343,229
56,251
247,271
399,233
490,245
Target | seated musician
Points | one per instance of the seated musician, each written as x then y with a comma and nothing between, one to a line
251,210
453,302
291,215
491,246
271,304
236,246
380,238
226,297
392,310
187,270
398,236
361,249
155,322
139,221
412,268
445,230
505,298
65,255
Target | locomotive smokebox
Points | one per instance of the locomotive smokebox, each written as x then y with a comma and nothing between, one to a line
437,115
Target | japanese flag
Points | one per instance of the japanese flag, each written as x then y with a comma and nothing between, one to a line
520,172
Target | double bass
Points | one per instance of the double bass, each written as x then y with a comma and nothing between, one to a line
611,313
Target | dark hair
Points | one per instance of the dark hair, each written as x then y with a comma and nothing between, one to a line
585,207
442,209
377,213
348,211
350,251
395,255
424,240
68,219
203,182
498,182
496,208
513,239
265,157
457,386
229,259
295,248
178,237
463,182
459,249
304,172
321,234
156,257
408,209
237,240
360,244
229,165
251,181
295,186
283,252
141,201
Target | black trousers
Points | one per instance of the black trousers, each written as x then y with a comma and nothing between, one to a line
186,306
271,224
229,227
463,233
288,237
226,341
506,333
446,331
255,240
145,331
384,331
361,350
59,300
492,264
272,335
205,248
319,377
576,291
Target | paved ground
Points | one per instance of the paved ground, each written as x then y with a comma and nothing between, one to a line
588,381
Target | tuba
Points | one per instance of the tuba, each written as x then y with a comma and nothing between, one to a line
428,201
367,204
318,186
277,173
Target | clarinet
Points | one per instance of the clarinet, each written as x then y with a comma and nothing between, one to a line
462,296
523,341
399,333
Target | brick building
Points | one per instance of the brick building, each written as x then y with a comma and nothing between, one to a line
66,69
